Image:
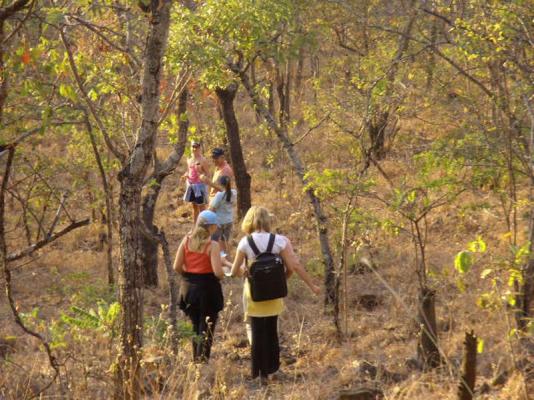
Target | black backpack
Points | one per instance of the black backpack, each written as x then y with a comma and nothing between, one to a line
267,275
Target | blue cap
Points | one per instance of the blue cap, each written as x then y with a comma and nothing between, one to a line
217,152
208,217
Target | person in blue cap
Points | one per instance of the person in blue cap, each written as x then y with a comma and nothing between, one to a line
199,262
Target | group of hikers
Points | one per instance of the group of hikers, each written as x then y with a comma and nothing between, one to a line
264,259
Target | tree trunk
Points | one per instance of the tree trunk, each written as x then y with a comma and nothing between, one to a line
427,348
128,382
226,98
377,126
466,388
298,74
320,217
431,65
130,291
149,247
283,84
526,290
3,73
109,201
173,289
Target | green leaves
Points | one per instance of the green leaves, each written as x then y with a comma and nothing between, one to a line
463,261
103,318
219,32
68,92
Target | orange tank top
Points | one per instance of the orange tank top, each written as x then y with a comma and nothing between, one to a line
195,262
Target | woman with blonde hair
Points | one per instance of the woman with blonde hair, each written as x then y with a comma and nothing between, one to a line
262,316
199,261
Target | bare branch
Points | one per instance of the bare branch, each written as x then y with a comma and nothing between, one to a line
95,29
311,129
120,156
20,24
7,279
464,72
181,82
58,214
49,239
8,11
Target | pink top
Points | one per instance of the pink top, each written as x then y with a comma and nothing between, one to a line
224,170
193,176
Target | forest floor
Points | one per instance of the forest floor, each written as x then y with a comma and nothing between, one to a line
379,330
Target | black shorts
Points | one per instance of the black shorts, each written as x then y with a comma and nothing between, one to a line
190,196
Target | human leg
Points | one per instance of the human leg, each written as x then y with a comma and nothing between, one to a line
207,326
265,348
194,316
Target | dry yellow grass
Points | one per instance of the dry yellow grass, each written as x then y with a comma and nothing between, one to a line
316,364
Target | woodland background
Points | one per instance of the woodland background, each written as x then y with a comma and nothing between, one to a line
393,140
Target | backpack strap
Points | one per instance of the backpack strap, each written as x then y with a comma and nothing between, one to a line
270,245
253,245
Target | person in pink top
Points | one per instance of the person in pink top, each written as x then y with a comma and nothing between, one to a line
196,192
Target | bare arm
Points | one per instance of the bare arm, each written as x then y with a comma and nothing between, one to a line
186,173
213,205
291,253
238,261
179,259
293,263
216,262
209,183
204,166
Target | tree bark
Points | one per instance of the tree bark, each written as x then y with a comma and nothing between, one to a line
149,248
298,166
526,290
109,200
427,348
466,388
173,289
377,126
226,98
128,382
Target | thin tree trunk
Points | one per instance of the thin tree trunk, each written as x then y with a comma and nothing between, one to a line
298,74
466,388
431,65
3,73
526,290
226,98
149,248
109,200
128,382
427,349
254,83
173,289
377,126
320,217
283,80
6,277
